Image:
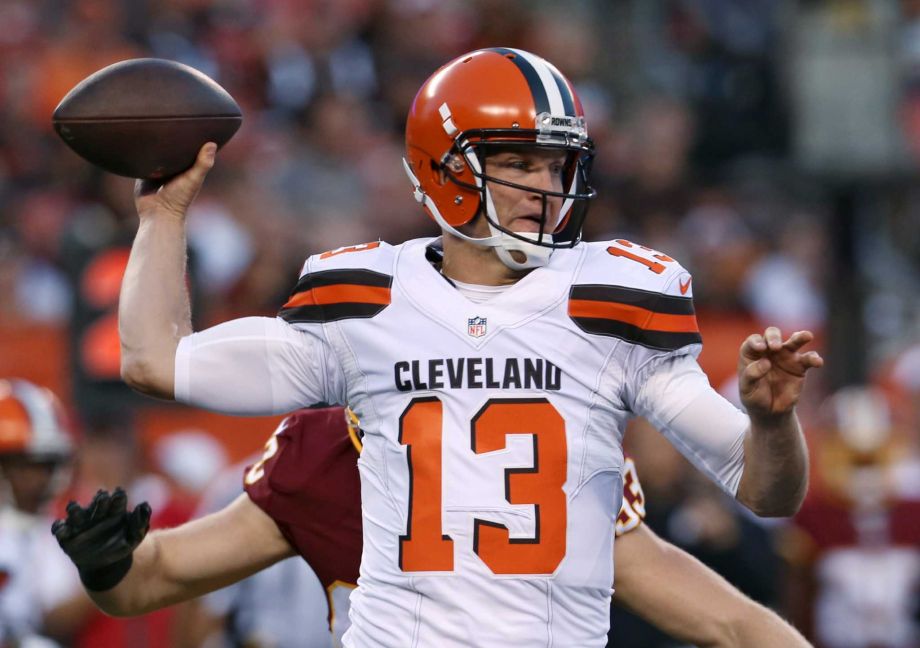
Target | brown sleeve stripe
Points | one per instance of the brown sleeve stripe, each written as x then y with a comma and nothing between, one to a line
646,318
635,297
332,295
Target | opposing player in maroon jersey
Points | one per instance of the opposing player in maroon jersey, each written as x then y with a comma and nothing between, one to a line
303,497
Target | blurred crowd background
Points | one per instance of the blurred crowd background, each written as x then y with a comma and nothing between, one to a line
772,146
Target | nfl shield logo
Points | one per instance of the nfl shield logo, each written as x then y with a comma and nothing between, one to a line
476,326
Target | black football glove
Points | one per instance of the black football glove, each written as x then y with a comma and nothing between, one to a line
101,538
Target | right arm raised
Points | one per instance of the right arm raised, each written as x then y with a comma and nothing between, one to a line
154,311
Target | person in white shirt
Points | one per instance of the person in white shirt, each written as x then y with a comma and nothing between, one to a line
494,424
36,448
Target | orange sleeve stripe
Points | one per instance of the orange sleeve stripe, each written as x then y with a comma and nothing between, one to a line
633,315
340,294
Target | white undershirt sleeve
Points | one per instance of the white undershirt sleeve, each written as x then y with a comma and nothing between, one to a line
675,396
256,366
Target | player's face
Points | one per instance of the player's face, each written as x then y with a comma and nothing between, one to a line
519,210
30,481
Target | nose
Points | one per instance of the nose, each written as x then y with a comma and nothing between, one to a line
545,178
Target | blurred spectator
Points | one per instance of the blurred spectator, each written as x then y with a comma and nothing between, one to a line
784,286
855,545
36,448
653,190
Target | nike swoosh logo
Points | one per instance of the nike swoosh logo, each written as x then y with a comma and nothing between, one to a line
684,287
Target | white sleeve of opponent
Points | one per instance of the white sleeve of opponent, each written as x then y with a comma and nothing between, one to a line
256,366
675,397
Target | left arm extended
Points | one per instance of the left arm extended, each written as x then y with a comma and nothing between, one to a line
678,594
771,375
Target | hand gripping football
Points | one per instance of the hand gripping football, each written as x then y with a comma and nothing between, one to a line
145,118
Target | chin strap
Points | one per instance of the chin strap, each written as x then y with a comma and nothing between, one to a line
535,256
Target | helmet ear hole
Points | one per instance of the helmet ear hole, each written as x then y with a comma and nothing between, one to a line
455,163
437,174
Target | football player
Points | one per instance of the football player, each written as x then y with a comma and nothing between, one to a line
303,497
494,369
36,449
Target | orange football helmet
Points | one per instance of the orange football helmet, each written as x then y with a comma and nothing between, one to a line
489,98
32,423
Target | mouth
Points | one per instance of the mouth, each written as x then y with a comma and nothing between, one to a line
526,223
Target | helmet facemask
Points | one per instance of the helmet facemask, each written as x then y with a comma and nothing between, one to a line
556,230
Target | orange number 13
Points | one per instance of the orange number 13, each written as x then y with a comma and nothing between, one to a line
425,548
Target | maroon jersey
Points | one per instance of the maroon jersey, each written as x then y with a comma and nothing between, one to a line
307,482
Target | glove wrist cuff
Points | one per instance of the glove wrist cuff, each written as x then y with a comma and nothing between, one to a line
105,578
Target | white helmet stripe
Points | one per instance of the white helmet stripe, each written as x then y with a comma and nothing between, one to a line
556,105
48,434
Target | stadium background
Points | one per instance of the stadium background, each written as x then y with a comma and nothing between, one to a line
771,146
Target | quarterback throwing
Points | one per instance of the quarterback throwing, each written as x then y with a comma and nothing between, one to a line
493,368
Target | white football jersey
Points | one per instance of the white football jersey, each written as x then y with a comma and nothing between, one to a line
491,474
35,575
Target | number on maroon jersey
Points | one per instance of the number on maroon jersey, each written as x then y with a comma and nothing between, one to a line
257,471
632,511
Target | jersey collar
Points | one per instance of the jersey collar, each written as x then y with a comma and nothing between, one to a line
436,298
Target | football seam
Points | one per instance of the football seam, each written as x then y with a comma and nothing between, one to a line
89,120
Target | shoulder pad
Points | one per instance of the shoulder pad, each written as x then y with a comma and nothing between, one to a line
349,282
624,263
632,292
375,255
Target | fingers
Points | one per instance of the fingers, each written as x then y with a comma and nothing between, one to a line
102,506
205,161
774,338
61,530
195,175
175,194
99,507
119,502
798,339
757,345
811,360
138,523
76,516
753,347
752,373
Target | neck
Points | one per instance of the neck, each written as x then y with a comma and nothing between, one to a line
472,264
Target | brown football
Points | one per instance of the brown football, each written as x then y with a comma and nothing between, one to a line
145,118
